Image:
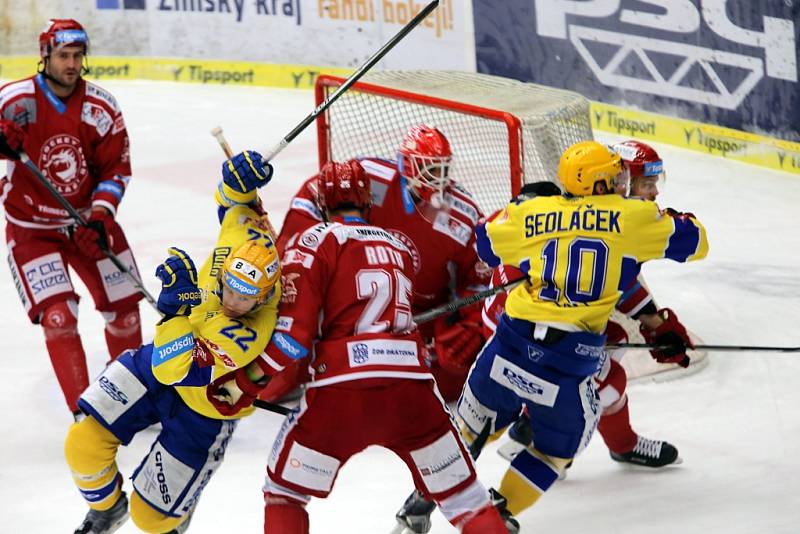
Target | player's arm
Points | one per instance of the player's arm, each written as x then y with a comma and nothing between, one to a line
173,344
665,234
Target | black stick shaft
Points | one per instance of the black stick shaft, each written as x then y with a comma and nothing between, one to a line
730,348
450,307
26,160
377,56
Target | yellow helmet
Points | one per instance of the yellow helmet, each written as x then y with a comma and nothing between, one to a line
252,270
585,163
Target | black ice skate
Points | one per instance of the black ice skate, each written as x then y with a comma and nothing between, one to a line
499,502
415,515
649,453
105,521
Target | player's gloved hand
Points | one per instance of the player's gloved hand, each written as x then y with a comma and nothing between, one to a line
179,290
95,237
457,345
679,214
234,391
671,335
11,139
246,172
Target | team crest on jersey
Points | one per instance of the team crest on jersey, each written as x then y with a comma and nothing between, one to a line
63,163
412,248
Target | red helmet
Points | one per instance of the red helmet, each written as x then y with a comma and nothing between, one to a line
62,32
644,168
424,159
343,185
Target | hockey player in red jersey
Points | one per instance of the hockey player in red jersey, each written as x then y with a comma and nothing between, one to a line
415,199
74,132
658,326
351,309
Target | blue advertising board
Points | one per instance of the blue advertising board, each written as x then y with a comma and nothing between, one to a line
726,62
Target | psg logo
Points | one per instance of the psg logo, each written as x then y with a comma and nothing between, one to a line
63,163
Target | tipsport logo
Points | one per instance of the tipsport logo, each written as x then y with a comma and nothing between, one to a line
121,4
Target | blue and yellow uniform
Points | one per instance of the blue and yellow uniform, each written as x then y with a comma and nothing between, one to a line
580,253
167,382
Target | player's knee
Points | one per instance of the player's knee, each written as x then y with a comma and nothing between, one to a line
89,447
60,319
284,515
148,519
612,389
123,323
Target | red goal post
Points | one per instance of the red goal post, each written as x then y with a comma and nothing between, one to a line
504,133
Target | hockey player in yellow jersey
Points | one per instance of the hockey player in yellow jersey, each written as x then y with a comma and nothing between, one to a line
215,323
580,251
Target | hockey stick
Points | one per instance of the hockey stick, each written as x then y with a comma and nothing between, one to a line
377,56
271,407
81,221
731,348
450,307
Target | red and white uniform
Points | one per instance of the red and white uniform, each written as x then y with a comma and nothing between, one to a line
443,252
81,145
347,303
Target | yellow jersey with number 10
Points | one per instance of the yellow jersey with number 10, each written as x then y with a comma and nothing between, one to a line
580,253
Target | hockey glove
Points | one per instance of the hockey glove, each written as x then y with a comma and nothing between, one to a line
457,345
94,238
234,391
246,172
671,338
11,139
179,290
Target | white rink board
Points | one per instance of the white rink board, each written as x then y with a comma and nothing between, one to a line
333,33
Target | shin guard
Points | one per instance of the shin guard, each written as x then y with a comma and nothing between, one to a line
60,323
284,515
487,520
91,452
123,331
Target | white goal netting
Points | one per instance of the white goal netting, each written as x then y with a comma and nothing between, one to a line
503,133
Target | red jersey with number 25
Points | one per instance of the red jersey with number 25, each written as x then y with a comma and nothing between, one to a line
346,296
442,249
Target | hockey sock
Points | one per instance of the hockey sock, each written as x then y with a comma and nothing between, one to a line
60,322
91,451
148,519
487,520
530,475
284,515
616,430
123,331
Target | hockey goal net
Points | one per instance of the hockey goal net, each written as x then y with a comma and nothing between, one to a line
503,133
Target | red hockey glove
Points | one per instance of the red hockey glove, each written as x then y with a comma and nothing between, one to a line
457,345
11,139
234,391
95,237
671,336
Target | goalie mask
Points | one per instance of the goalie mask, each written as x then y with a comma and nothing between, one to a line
644,170
251,271
584,164
343,186
424,160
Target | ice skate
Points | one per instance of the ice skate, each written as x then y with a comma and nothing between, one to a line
499,502
415,515
105,521
649,453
